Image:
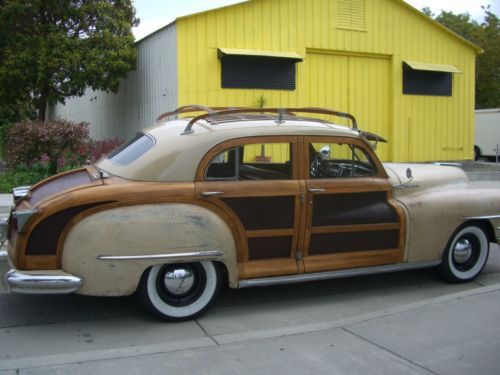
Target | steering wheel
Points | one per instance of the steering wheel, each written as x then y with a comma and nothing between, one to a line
315,168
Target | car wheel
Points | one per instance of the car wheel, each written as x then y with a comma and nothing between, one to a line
180,291
466,254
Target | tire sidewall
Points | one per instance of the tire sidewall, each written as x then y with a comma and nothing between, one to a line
191,310
453,273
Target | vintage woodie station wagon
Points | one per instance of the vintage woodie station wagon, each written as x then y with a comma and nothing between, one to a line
247,197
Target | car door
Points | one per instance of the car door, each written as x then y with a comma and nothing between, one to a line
254,181
352,219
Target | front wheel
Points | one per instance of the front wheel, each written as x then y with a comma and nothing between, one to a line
465,255
180,291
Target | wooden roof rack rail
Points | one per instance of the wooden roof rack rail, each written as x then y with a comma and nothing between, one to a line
280,111
193,108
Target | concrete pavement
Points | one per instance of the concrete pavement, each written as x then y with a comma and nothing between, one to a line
457,333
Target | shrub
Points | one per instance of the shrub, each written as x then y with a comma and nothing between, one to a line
22,175
37,150
57,144
101,148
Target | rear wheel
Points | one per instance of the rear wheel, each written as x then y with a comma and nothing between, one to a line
466,254
180,291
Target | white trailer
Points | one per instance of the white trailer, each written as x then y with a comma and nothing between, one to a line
487,139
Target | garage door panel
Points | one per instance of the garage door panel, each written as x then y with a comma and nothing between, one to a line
354,84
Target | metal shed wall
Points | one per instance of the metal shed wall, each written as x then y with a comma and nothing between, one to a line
381,35
146,92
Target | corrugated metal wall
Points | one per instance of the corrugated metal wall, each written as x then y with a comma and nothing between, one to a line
419,128
146,93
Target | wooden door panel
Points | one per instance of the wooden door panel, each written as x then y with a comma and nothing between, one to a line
267,215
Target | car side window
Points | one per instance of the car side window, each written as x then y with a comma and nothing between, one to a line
263,161
339,160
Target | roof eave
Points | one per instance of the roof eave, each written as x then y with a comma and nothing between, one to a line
475,47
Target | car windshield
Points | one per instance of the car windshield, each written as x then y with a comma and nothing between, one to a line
132,150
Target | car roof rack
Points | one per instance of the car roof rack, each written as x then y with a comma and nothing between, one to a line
193,108
224,114
288,113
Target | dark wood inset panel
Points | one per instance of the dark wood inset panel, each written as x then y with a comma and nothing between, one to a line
269,247
44,238
351,209
353,241
263,212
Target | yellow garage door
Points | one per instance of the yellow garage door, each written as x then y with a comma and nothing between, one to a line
354,84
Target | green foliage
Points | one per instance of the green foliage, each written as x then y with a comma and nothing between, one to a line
23,175
53,49
262,102
487,36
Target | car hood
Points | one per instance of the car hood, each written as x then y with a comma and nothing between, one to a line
423,176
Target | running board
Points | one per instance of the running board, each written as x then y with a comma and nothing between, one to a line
305,277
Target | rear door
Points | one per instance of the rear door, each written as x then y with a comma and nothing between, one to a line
254,181
352,219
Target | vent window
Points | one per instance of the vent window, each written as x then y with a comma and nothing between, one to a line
351,14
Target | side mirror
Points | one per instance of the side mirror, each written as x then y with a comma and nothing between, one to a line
409,174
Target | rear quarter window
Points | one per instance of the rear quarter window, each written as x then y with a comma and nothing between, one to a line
132,150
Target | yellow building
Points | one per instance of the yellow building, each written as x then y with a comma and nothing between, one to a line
401,74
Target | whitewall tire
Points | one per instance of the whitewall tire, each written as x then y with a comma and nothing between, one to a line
466,254
180,291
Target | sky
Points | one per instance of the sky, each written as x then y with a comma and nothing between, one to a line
155,14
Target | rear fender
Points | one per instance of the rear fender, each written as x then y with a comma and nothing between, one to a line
111,249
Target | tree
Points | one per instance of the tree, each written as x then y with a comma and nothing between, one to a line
487,36
54,49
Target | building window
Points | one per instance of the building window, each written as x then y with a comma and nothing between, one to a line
250,72
252,69
426,82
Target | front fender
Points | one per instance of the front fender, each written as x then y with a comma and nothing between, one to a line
93,247
436,213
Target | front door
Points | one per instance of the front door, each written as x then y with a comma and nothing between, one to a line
254,180
352,219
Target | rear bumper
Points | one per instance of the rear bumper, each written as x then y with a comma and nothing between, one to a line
39,282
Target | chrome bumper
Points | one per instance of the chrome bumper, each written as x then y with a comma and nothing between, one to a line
39,283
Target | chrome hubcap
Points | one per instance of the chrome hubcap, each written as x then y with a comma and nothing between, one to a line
179,281
462,251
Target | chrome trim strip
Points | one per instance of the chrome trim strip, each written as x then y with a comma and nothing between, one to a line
300,278
4,256
482,217
173,256
18,282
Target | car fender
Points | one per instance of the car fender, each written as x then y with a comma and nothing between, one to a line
435,214
111,249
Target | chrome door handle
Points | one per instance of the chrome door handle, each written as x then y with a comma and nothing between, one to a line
211,193
316,190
